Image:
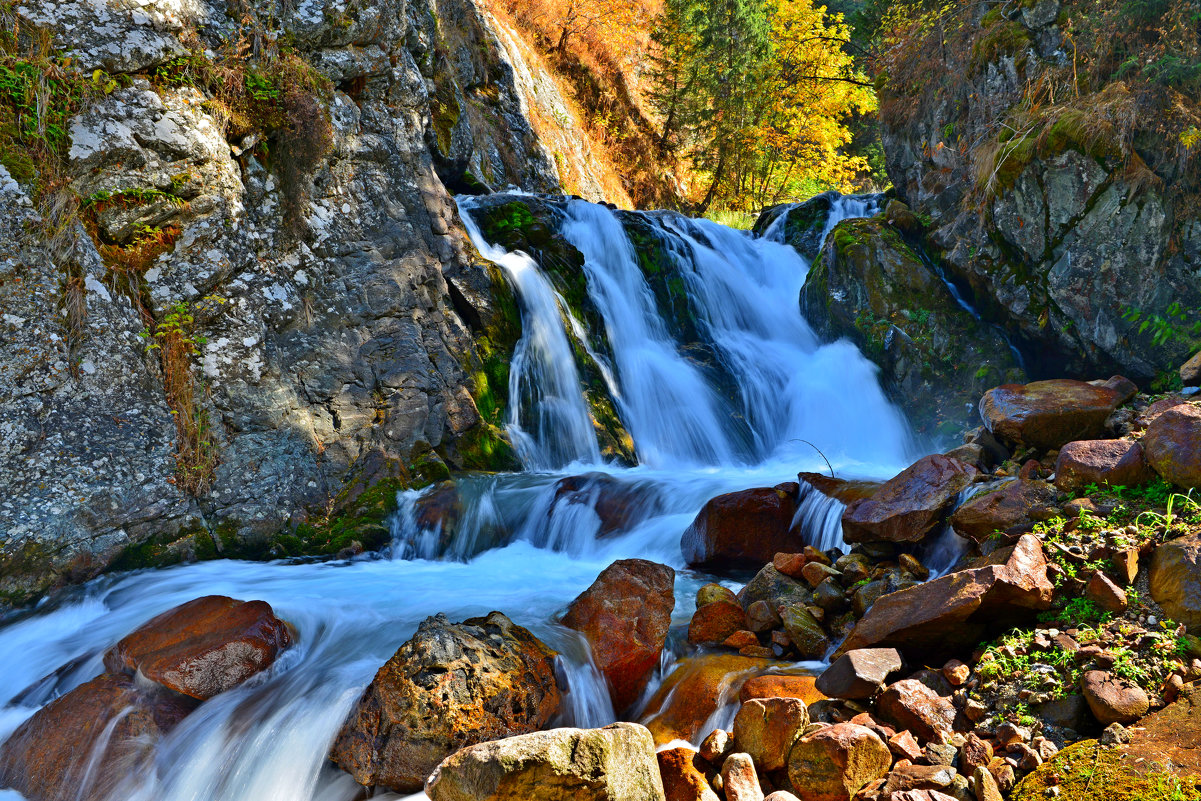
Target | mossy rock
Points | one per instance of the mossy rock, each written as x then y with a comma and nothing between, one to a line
1089,771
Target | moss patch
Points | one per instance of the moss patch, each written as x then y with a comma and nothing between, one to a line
1088,771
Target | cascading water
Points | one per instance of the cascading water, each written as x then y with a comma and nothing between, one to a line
524,543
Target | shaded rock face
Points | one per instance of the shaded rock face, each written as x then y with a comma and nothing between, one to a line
1012,508
1065,239
616,763
805,224
450,686
1173,445
954,611
1175,579
81,745
1048,414
203,647
907,507
625,615
871,286
1104,462
336,360
746,527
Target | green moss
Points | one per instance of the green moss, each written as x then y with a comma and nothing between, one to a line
1001,38
1088,771
168,548
662,272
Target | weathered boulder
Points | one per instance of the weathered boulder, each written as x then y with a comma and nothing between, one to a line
1175,579
1013,507
698,687
1048,414
781,685
715,621
835,762
1173,445
766,728
683,773
805,224
625,615
80,746
450,686
1112,699
859,673
746,527
1104,462
808,637
953,611
203,647
909,506
616,763
914,706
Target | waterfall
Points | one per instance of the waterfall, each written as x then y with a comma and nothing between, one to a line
724,388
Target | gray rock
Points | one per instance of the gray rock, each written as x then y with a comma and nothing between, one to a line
860,673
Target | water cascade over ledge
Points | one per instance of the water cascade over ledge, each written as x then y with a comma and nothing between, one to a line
729,389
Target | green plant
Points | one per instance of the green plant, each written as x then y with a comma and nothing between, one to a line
1176,324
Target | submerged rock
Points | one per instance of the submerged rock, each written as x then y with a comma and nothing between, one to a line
81,746
625,615
449,687
907,507
203,647
746,527
616,763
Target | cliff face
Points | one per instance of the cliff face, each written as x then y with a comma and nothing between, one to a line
1060,183
209,350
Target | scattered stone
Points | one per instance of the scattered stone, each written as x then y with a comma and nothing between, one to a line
1048,414
911,565
439,694
860,673
778,685
914,706
716,747
766,728
1175,579
1104,462
683,773
715,621
833,763
808,637
712,593
985,786
203,647
1003,773
790,564
975,753
909,506
625,615
1173,445
1105,594
740,640
775,590
1013,507
747,527
1113,700
956,673
81,745
781,795
919,777
941,753
616,763
955,611
904,746
739,779
815,573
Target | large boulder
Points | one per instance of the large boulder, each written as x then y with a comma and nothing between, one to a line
450,686
747,527
835,762
860,673
913,706
766,729
203,647
954,611
1013,507
909,506
1104,462
80,746
1175,579
1049,414
625,615
780,685
697,688
1113,699
1173,445
683,773
616,763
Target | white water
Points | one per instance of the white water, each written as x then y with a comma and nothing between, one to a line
518,549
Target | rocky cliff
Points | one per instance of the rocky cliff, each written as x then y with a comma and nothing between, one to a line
239,310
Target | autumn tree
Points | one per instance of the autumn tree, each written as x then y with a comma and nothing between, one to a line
576,19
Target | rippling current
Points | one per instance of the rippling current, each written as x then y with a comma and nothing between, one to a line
267,739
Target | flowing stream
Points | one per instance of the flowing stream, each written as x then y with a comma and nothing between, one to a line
522,547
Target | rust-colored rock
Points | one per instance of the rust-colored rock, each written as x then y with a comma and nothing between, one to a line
838,488
975,753
1175,579
449,687
914,706
747,527
781,685
1173,445
1104,462
766,728
625,615
1113,700
80,746
1011,508
1105,594
954,611
1048,414
740,780
716,621
203,647
683,773
909,506
834,763
697,688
